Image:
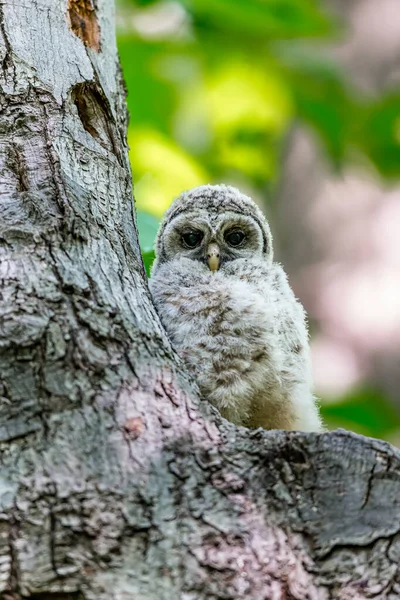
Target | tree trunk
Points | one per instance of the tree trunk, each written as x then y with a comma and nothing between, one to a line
117,482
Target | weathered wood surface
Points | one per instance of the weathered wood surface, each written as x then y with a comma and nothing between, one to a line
116,482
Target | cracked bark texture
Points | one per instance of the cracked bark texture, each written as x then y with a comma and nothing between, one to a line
116,481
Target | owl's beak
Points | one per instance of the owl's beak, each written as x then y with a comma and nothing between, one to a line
213,259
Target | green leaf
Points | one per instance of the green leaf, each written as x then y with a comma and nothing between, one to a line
146,87
148,259
147,228
327,117
366,411
261,18
380,134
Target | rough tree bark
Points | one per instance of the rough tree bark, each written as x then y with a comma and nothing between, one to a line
116,481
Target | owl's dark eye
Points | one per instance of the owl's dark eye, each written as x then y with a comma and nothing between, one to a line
191,239
234,237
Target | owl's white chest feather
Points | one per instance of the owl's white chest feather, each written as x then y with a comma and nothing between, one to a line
230,332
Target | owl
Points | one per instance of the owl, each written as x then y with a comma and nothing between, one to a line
230,312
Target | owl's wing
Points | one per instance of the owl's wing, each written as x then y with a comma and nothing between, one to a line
290,324
291,317
291,353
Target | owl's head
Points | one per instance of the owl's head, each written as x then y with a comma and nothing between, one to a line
213,224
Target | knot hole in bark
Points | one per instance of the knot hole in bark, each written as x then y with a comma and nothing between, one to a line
83,22
96,116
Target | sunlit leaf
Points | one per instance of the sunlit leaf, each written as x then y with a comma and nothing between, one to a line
162,170
256,159
238,95
236,116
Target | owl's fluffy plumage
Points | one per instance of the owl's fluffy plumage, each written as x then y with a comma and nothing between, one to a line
239,329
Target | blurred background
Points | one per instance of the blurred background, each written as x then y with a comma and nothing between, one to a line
297,103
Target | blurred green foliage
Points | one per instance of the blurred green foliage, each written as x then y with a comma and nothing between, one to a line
147,226
213,88
366,411
215,85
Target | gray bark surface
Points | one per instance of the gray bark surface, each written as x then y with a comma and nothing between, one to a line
116,481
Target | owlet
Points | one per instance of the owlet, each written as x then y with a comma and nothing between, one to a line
230,312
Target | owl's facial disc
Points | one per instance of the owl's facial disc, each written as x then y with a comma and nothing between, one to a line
212,238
